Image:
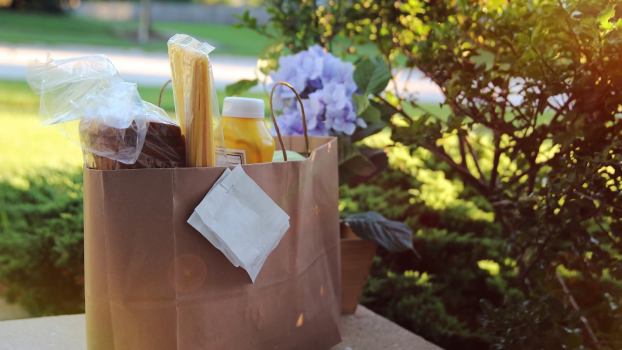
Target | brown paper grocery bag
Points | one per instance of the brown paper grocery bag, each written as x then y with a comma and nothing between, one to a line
154,283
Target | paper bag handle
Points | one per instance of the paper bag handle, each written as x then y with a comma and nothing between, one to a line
162,92
276,125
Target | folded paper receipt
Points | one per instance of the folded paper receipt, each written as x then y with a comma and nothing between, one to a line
240,220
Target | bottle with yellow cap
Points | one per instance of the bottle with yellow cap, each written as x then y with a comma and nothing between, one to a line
247,139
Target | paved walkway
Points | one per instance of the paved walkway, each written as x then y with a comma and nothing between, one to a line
364,330
145,68
152,69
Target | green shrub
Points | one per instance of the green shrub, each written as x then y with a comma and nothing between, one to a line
419,306
41,242
438,291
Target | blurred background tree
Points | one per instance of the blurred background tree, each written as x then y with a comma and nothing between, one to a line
144,21
512,183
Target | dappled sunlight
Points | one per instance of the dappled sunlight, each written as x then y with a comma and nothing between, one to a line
435,190
489,266
421,278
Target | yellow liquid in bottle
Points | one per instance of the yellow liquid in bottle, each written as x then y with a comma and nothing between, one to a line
250,135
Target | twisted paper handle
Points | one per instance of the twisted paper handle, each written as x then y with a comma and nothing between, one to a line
304,118
162,92
276,125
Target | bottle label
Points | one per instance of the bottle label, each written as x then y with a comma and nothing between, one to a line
230,156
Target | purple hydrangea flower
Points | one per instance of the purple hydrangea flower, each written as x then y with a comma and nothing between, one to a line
326,85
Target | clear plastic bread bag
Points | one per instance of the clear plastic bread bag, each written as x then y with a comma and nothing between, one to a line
196,102
112,120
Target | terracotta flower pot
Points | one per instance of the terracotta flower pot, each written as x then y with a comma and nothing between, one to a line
356,258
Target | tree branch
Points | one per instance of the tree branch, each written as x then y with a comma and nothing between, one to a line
463,161
533,171
575,306
475,159
517,177
537,255
558,111
393,80
495,162
462,171
440,153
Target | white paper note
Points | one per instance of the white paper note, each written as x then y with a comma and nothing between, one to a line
240,220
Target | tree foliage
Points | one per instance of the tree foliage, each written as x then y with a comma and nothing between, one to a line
533,133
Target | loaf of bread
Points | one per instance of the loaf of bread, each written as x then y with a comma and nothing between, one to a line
164,146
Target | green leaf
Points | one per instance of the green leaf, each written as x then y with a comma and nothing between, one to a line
454,122
352,160
386,111
371,76
371,115
359,165
246,21
360,102
240,87
371,129
604,17
605,20
269,58
392,235
374,121
483,57
347,150
505,66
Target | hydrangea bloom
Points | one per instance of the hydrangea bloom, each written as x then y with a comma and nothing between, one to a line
326,85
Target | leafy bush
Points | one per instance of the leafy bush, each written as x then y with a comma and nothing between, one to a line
41,245
523,173
438,292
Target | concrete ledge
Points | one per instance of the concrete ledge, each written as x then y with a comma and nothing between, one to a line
364,330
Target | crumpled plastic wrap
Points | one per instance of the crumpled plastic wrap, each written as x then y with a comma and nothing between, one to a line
117,128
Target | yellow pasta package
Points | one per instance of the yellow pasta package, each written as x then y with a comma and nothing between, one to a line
196,102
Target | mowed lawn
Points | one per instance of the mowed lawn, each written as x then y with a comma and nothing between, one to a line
27,146
44,29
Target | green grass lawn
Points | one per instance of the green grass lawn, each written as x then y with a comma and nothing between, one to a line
17,96
27,28
27,146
